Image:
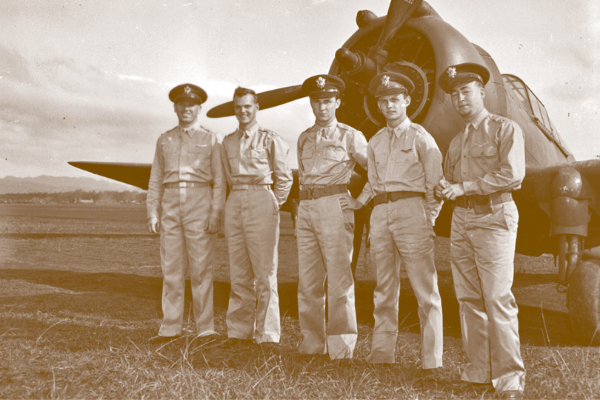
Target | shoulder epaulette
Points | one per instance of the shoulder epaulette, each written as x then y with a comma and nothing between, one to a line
346,127
499,118
379,132
207,130
170,130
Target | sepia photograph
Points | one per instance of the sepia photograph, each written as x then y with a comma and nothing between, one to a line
307,199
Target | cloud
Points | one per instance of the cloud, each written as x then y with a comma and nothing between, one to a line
13,65
60,110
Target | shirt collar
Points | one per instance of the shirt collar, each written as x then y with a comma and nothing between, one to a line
190,129
400,128
249,131
478,119
328,128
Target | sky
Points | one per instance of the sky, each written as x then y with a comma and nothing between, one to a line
89,80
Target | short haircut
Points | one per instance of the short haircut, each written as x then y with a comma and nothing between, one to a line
241,92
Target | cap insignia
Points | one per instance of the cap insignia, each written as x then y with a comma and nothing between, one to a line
385,80
187,90
321,82
452,72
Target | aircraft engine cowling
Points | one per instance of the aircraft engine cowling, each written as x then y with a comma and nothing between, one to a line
422,49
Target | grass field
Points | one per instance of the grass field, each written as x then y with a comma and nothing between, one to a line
80,293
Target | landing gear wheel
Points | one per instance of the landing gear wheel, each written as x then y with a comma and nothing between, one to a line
584,302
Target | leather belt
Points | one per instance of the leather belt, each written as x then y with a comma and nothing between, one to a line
178,185
315,192
251,187
482,200
383,198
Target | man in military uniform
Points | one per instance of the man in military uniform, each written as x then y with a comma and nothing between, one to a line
186,193
484,164
260,180
404,165
327,154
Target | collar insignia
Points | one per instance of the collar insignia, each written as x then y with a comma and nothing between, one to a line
385,80
452,72
321,82
187,90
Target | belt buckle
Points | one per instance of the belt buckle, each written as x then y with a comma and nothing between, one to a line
311,193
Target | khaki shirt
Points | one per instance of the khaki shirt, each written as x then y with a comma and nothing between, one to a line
405,158
327,155
258,156
187,155
488,156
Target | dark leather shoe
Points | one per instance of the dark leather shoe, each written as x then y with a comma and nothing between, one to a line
162,339
510,394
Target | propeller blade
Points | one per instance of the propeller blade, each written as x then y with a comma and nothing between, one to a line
398,13
268,99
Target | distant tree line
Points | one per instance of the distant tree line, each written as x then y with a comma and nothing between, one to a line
77,196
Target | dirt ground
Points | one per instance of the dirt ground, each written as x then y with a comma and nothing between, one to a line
77,248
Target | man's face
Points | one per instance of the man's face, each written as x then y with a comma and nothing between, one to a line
467,99
187,112
393,107
245,109
324,109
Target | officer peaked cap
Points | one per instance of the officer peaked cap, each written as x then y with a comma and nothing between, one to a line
323,86
463,73
390,83
188,92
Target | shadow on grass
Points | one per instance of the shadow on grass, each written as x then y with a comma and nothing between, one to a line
137,298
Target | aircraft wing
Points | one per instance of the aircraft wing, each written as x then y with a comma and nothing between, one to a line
136,175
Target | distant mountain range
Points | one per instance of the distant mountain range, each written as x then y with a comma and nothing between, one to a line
55,184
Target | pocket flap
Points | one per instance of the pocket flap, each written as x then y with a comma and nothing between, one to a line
484,150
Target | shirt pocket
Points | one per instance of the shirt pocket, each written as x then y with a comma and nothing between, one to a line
307,159
258,161
405,157
485,157
170,154
333,159
484,150
199,157
259,152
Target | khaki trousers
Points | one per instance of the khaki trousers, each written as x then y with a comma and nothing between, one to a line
401,233
324,234
185,243
482,251
252,232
